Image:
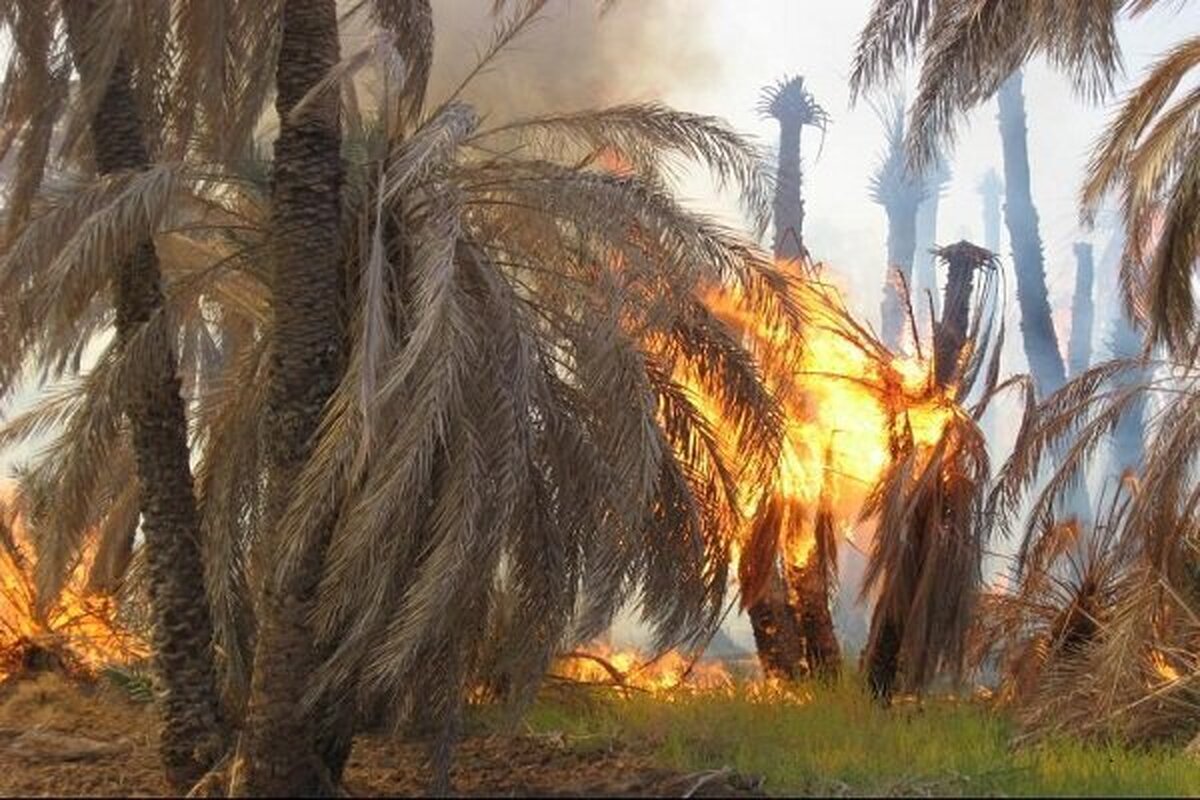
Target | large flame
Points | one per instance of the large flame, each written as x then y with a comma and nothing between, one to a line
847,401
81,629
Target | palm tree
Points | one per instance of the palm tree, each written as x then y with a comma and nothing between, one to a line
971,48
794,107
774,613
924,570
1020,216
524,327
112,108
278,747
900,192
1125,342
1079,348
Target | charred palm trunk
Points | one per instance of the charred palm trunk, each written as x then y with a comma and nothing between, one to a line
1037,326
949,339
775,617
1083,311
813,586
778,633
183,640
788,204
279,748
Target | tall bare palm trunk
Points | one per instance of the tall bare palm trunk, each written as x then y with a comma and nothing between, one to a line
1020,215
789,196
183,642
901,246
1125,341
279,748
1083,310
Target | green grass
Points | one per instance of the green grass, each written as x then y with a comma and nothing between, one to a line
839,742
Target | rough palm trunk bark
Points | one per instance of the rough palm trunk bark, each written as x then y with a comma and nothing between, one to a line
279,750
778,633
183,651
1037,326
1083,311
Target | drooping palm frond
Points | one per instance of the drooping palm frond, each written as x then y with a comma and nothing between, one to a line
1149,152
511,425
967,48
1062,599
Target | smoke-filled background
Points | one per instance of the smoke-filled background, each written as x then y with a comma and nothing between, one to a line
715,56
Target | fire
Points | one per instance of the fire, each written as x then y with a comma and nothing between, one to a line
670,675
1164,668
847,401
81,629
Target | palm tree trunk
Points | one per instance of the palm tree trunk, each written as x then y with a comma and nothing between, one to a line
788,204
901,246
183,642
1083,310
1129,437
278,753
1037,326
778,633
822,652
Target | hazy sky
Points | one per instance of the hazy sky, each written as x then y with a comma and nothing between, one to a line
753,42
714,56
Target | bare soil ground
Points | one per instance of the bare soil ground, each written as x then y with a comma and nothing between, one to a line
62,738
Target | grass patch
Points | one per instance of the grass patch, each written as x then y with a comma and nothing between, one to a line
839,742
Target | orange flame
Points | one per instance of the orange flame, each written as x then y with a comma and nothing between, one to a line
670,675
1164,668
81,627
847,401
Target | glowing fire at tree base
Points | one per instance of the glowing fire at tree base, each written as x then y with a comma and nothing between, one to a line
79,634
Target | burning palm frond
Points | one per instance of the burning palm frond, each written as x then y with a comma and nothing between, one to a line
79,631
925,565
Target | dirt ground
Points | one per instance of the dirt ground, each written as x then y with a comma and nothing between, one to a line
62,738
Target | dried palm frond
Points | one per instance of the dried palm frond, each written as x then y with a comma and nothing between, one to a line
1063,598
967,48
924,569
510,431
1149,152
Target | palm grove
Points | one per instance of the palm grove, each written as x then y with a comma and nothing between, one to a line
401,389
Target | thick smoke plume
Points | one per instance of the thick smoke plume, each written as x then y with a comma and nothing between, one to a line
575,56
